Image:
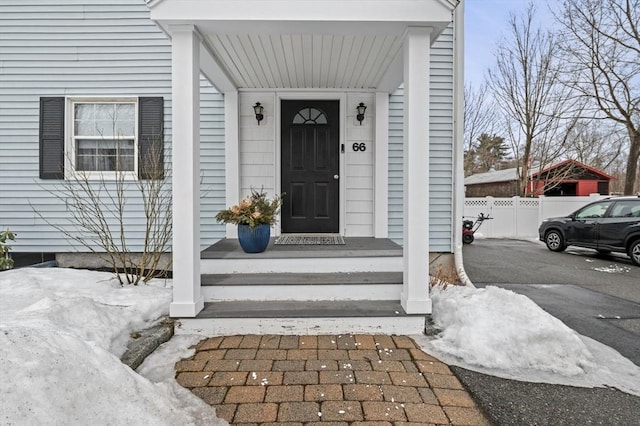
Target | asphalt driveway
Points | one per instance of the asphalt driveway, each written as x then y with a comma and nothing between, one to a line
596,295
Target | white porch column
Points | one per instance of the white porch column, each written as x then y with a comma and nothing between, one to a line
185,83
232,155
415,291
381,152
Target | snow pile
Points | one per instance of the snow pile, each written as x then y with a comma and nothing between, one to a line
61,335
499,332
497,328
63,331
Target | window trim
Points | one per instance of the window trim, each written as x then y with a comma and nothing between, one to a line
70,138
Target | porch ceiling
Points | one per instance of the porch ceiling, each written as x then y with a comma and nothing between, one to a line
305,60
303,44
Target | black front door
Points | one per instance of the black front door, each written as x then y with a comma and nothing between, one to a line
310,166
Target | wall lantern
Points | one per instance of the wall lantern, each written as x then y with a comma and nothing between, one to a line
361,109
258,109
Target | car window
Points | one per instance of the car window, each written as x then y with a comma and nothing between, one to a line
626,208
593,211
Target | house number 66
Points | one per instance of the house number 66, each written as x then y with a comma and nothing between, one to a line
359,147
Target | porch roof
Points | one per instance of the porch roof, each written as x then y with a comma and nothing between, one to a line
303,44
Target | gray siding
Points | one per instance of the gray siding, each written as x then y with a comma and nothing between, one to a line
212,165
440,150
85,48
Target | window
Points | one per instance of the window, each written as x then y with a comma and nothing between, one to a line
104,136
310,116
627,208
101,135
593,211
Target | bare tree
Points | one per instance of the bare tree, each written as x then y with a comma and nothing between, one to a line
600,41
479,118
526,85
617,170
595,144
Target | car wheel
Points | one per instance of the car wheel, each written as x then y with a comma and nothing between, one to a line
554,241
467,238
634,252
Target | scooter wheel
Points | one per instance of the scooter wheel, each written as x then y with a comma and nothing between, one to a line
467,238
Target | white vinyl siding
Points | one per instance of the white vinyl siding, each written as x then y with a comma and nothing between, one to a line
440,150
79,48
257,143
359,167
396,132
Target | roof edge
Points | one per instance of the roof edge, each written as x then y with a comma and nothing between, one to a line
562,163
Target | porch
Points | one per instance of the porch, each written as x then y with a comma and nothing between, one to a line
292,58
303,288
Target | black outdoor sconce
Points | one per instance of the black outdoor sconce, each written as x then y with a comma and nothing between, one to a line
258,109
361,109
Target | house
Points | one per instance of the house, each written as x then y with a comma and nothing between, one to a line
570,178
566,178
494,183
193,70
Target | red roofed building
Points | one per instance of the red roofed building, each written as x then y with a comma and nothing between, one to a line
568,178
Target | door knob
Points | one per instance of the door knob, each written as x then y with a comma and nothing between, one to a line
336,177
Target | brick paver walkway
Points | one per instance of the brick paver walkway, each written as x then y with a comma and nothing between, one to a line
340,380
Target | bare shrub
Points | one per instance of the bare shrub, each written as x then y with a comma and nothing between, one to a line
98,222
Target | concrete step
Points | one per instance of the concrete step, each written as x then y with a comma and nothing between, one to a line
309,317
259,265
302,286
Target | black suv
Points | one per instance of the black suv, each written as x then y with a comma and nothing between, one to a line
611,224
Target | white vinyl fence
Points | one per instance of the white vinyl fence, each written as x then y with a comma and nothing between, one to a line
519,217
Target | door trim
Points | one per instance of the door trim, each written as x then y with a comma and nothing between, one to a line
341,97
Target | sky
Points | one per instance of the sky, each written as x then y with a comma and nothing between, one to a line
485,22
62,332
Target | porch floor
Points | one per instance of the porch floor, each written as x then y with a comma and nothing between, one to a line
353,247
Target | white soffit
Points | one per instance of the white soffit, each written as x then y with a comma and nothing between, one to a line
305,60
344,44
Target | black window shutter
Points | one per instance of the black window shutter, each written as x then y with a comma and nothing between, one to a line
52,138
151,138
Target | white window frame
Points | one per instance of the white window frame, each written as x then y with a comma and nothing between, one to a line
70,145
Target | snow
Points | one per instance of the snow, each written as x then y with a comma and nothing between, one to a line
613,269
501,333
62,334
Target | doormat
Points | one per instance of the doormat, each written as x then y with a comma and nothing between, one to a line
306,239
